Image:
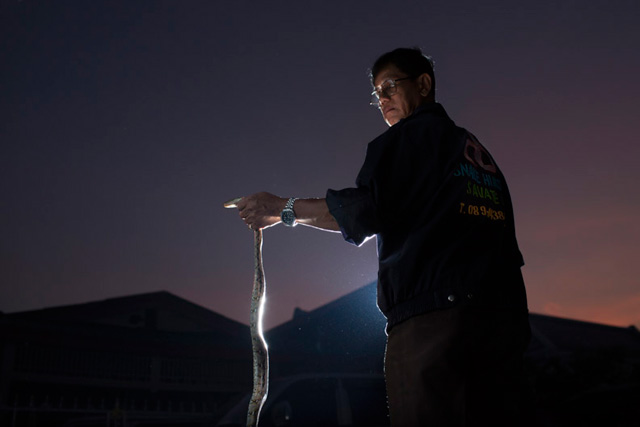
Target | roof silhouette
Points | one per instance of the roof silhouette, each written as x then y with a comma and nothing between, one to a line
164,317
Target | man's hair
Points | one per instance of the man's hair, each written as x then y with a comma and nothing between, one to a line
408,60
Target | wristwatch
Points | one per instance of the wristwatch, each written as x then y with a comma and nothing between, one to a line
288,216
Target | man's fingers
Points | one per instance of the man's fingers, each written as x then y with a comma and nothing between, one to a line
255,210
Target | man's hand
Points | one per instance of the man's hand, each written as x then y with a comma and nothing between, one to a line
261,210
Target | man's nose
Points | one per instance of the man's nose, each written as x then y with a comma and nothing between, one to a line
383,95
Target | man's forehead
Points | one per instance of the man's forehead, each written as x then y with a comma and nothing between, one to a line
388,72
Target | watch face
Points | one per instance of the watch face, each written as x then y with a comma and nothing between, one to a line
288,217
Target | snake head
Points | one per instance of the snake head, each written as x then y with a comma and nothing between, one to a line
232,203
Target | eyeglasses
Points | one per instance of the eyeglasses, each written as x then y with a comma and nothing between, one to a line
387,88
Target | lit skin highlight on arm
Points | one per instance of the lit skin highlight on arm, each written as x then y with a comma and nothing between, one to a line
262,210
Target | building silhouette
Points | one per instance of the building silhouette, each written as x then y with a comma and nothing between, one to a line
145,357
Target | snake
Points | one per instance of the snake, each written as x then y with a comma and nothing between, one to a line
258,343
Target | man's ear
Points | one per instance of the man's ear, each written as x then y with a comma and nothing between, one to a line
424,83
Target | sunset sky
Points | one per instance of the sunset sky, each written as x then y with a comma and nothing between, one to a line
126,124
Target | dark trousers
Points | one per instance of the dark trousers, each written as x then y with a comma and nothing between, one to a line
457,367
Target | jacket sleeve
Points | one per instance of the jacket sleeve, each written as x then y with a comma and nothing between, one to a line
355,212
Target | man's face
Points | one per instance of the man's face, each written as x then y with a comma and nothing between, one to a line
406,99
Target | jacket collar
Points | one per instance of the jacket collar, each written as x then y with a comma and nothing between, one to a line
430,108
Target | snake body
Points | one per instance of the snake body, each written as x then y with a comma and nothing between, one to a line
258,343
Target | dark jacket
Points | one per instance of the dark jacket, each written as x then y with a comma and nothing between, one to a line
442,214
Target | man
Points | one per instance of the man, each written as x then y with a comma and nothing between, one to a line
449,280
